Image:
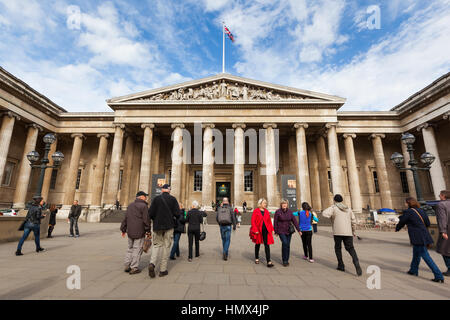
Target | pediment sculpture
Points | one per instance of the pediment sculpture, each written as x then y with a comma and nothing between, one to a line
222,90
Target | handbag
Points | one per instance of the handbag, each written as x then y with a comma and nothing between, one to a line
147,243
428,245
291,228
203,233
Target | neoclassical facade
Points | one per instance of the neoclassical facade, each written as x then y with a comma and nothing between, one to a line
268,131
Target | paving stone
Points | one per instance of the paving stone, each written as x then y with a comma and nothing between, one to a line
311,293
164,291
216,278
191,277
202,292
242,292
127,290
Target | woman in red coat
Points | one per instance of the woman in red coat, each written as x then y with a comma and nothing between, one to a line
261,230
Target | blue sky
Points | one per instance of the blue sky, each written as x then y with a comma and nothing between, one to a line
123,47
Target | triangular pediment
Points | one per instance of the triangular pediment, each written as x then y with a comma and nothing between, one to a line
223,88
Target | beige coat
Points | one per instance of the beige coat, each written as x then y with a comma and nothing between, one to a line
343,222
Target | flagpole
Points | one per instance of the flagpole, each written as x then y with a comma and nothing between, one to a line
223,47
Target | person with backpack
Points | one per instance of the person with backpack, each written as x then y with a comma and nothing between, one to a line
306,219
418,222
225,218
285,224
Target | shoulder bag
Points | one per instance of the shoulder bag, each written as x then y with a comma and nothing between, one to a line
428,245
203,233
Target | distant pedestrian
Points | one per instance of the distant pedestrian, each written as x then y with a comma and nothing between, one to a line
238,216
261,230
418,222
284,223
52,220
163,209
344,223
315,221
443,220
117,205
180,228
74,215
226,218
136,224
32,223
306,219
194,218
244,206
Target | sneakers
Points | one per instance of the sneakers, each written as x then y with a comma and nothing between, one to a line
173,258
135,271
285,264
412,273
163,273
19,253
151,270
311,260
77,236
438,280
225,257
40,249
71,236
305,258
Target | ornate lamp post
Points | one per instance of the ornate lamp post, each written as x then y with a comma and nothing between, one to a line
33,157
427,159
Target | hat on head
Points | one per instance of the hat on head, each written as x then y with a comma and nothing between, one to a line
141,193
166,186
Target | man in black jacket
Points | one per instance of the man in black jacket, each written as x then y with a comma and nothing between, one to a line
136,224
225,218
32,223
74,215
163,209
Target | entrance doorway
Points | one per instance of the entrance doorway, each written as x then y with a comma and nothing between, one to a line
223,190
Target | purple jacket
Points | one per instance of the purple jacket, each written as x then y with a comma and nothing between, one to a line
282,219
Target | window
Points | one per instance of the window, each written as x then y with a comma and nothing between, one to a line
198,180
375,181
7,174
53,179
248,181
404,180
77,186
330,182
120,179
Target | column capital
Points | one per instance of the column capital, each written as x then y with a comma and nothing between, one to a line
446,116
208,125
377,135
349,135
269,125
118,125
11,114
103,135
78,135
301,125
331,124
424,126
35,126
147,125
239,125
177,125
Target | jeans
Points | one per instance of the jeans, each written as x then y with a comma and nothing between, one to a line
348,244
447,262
225,232
36,228
191,236
74,222
422,252
285,246
307,243
162,241
176,245
315,227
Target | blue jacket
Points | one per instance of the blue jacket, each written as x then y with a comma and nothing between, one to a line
305,223
417,230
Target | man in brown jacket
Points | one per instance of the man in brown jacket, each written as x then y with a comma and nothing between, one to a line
443,220
136,224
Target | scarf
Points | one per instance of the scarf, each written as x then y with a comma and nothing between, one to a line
341,206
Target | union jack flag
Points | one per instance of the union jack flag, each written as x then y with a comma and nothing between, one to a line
228,32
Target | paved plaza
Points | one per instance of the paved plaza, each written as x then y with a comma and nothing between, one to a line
100,250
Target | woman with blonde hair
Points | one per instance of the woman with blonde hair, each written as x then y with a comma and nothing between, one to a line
261,230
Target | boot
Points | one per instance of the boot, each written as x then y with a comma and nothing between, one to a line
50,230
19,253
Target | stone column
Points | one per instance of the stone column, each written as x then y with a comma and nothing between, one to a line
177,160
99,173
23,181
314,178
48,172
271,170
409,175
353,177
335,160
323,172
303,184
380,163
114,167
436,172
126,177
239,162
9,118
156,155
71,179
208,166
146,162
